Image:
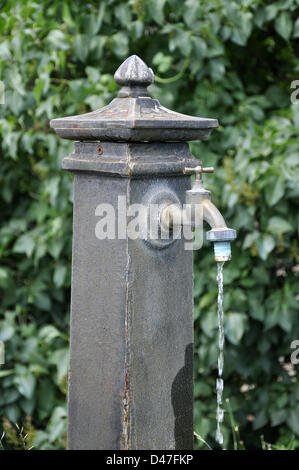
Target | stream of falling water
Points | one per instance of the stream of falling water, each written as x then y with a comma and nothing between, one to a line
219,381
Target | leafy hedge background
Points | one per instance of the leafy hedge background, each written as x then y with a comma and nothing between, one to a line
232,60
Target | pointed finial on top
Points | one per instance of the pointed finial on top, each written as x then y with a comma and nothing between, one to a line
133,71
134,75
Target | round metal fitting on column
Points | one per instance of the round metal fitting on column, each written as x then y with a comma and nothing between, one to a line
159,236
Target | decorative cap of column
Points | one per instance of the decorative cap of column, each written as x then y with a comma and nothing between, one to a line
134,116
134,76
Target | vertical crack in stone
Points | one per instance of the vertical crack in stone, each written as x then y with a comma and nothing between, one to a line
126,410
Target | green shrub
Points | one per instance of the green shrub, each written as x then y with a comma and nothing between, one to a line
231,60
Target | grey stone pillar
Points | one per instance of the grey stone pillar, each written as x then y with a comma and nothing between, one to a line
131,358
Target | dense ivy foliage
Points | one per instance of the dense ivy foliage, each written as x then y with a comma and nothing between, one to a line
232,60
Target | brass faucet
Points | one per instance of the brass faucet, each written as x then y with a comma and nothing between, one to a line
200,208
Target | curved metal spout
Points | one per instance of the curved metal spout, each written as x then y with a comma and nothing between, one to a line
220,234
212,216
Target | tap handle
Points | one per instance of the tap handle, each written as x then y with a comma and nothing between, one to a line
198,170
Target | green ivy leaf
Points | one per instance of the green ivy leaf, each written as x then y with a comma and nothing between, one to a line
25,382
24,244
155,8
283,24
82,46
57,424
265,245
48,333
274,192
293,420
278,225
243,29
60,275
191,12
45,398
42,301
58,39
120,44
234,326
260,419
296,29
